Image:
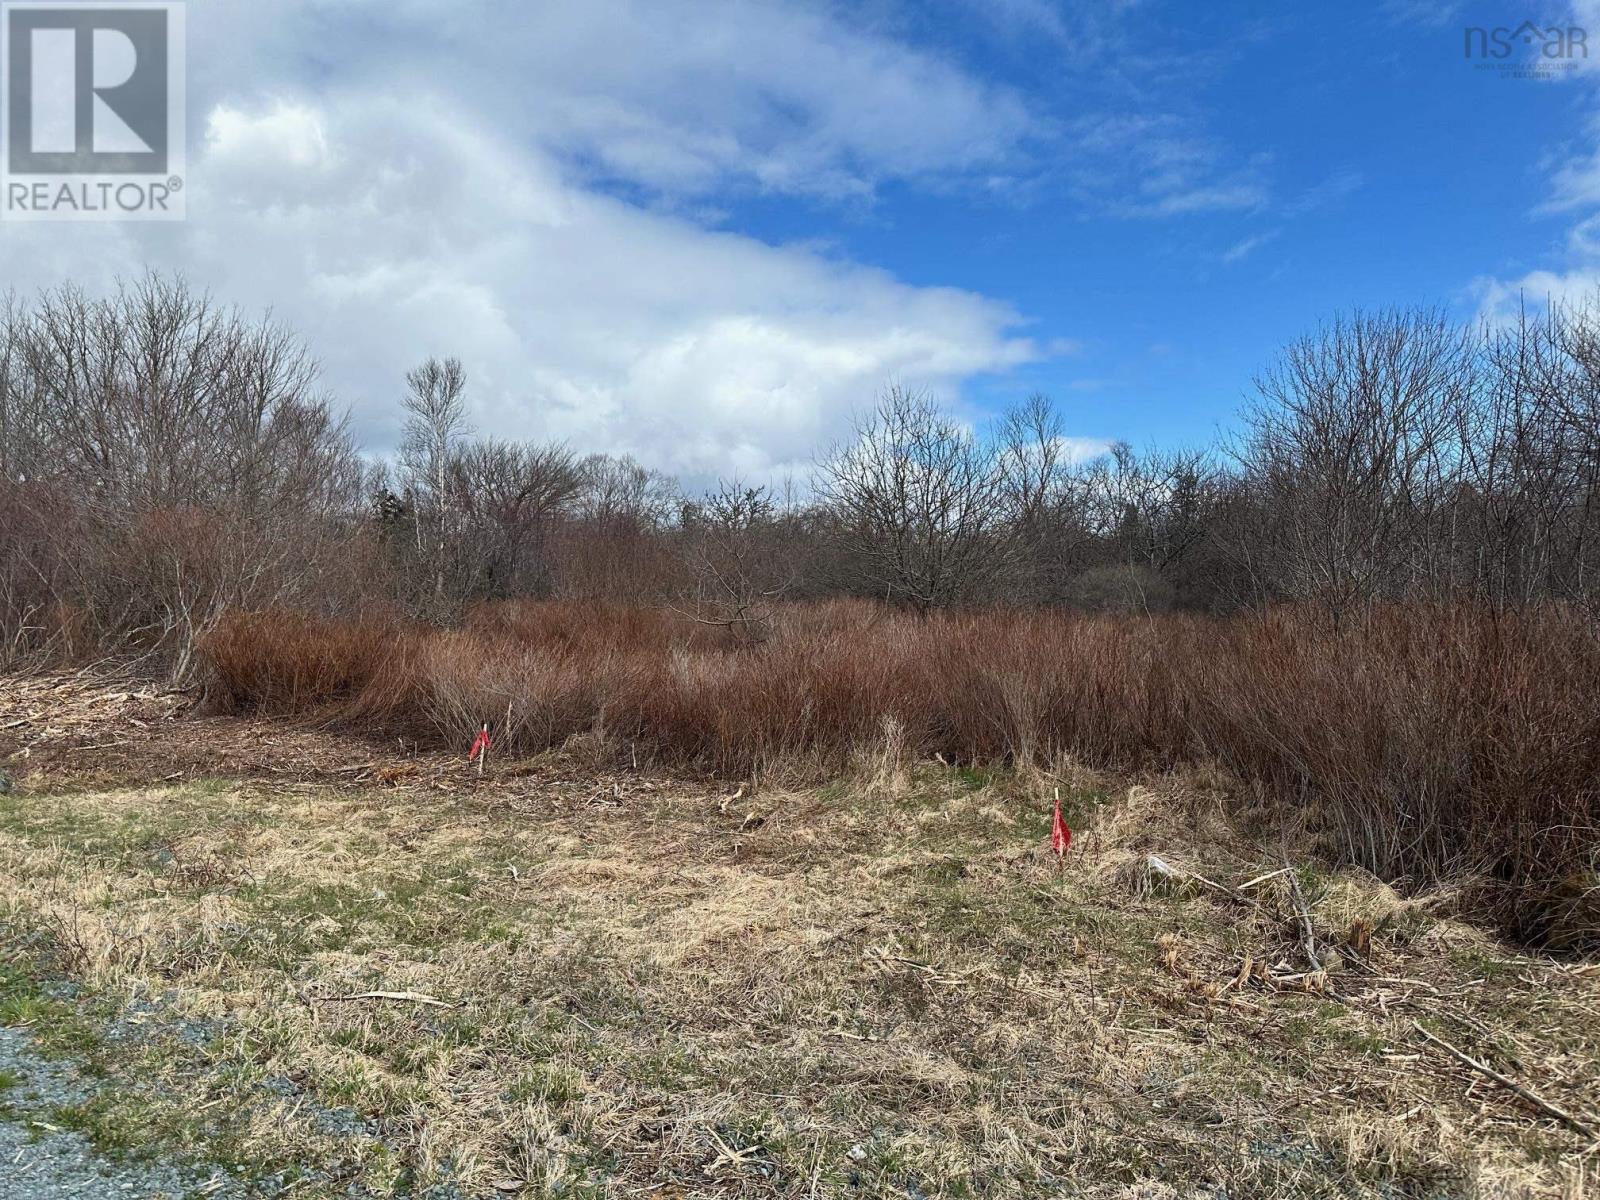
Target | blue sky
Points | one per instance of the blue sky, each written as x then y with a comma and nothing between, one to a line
705,232
1353,159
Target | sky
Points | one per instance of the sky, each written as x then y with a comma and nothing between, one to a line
708,232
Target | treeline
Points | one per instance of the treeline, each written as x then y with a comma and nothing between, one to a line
164,459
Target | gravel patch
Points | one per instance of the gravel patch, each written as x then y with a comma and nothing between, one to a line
40,1162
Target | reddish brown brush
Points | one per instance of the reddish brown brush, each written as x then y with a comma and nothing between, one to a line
285,662
1429,743
1434,744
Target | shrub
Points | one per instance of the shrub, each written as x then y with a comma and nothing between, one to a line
286,662
1425,743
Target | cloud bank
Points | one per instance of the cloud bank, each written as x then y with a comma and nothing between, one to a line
537,188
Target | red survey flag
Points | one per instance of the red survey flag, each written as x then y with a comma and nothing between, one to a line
1060,835
481,746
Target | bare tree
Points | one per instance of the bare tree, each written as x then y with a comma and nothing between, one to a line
166,458
509,496
738,559
20,412
617,545
1044,499
1149,516
620,493
1530,504
918,504
435,428
1349,446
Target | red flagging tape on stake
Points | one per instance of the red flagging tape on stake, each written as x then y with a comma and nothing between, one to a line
1060,835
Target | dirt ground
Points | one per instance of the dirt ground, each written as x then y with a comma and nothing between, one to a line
291,961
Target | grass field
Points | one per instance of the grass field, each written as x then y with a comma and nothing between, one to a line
373,973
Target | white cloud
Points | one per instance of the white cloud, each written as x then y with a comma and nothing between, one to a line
1247,246
386,231
1079,450
418,177
1500,300
1156,165
782,94
1574,188
1335,188
532,186
285,137
1575,181
683,97
1431,13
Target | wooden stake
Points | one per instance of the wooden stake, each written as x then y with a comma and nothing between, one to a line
1061,855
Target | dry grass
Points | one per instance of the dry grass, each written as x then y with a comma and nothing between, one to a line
852,990
1431,746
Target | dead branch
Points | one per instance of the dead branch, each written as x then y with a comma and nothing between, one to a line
401,997
1510,1084
1308,937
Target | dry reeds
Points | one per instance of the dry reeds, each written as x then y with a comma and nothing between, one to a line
1427,743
